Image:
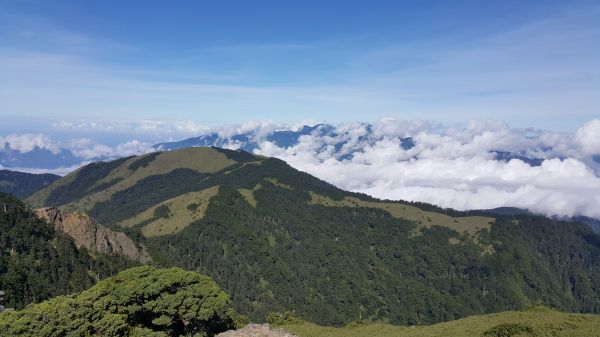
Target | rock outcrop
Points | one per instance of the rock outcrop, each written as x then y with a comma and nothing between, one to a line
87,233
1,299
257,330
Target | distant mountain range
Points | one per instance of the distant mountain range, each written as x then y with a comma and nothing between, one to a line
477,166
249,141
278,239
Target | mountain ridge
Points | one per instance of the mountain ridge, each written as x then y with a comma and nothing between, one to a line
21,184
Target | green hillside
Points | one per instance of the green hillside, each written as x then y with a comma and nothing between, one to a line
38,262
22,185
278,239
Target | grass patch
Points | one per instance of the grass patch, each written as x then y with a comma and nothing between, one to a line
173,215
276,182
424,219
134,169
249,194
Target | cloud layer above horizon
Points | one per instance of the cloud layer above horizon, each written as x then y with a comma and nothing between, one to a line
458,168
484,164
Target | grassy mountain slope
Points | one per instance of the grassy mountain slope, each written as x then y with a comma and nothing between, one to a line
98,182
276,239
537,322
173,215
38,262
21,184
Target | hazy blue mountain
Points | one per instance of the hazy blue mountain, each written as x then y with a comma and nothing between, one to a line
593,223
37,158
250,141
507,156
247,141
514,211
342,139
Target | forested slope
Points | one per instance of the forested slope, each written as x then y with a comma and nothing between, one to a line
38,262
278,239
21,184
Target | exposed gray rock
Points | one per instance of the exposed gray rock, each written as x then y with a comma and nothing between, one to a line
257,330
87,233
1,299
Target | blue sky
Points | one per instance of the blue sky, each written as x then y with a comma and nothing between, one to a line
529,63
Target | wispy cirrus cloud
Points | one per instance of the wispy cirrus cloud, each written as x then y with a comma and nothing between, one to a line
543,72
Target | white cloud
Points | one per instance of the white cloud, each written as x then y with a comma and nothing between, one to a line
83,148
455,167
87,149
28,142
141,127
588,137
447,166
132,148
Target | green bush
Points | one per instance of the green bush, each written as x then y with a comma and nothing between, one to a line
539,308
508,330
285,318
357,324
141,301
162,211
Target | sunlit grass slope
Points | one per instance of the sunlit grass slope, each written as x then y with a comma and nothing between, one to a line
470,224
538,322
99,181
179,212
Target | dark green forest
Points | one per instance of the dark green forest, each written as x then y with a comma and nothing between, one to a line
38,262
336,265
21,184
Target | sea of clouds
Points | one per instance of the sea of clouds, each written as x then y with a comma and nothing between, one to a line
455,167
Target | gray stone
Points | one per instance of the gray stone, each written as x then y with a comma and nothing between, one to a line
257,330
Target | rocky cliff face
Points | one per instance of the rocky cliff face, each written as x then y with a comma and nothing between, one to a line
87,233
